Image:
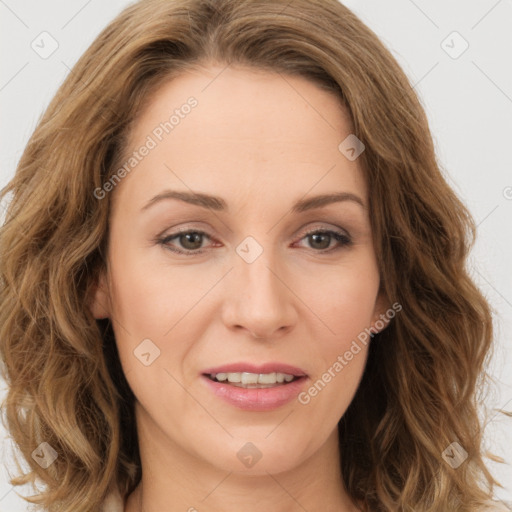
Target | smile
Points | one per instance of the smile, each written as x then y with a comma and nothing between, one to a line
253,380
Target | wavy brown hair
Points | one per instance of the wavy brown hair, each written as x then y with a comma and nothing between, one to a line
422,387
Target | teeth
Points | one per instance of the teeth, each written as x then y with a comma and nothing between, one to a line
267,378
245,378
250,378
234,377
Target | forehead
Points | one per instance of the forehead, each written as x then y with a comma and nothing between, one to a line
246,102
248,131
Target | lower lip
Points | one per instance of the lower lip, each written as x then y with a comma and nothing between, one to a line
256,399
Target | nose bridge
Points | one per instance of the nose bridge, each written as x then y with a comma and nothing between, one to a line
260,284
260,301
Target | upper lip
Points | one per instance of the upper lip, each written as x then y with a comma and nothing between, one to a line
253,368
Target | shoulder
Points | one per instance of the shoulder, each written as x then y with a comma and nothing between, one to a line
497,506
113,502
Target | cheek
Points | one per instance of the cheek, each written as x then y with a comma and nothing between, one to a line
345,303
150,298
152,303
345,298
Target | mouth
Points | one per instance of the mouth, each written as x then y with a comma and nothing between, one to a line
255,388
249,380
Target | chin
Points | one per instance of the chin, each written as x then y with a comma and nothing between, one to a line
258,455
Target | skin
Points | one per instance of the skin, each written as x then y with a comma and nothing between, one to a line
261,141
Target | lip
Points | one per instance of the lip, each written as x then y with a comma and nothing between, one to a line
253,399
252,368
256,399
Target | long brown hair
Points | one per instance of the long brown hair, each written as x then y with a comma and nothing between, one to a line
420,389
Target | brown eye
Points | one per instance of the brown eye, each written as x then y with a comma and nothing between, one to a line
192,240
187,242
321,240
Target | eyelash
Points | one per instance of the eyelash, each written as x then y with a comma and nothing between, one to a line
342,239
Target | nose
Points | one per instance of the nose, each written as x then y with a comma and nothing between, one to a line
259,300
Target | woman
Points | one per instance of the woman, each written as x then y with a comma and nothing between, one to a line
240,275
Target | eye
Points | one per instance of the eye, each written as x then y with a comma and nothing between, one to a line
190,240
321,239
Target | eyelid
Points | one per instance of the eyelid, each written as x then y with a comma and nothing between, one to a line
323,227
316,227
340,235
181,230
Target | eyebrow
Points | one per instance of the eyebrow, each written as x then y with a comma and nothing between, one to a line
218,204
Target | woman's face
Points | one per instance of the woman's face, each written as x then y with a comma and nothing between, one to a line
267,281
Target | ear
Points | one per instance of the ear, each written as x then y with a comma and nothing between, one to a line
100,298
383,313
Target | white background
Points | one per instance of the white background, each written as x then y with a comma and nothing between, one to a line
468,102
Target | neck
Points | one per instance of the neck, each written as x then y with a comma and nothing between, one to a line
246,498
